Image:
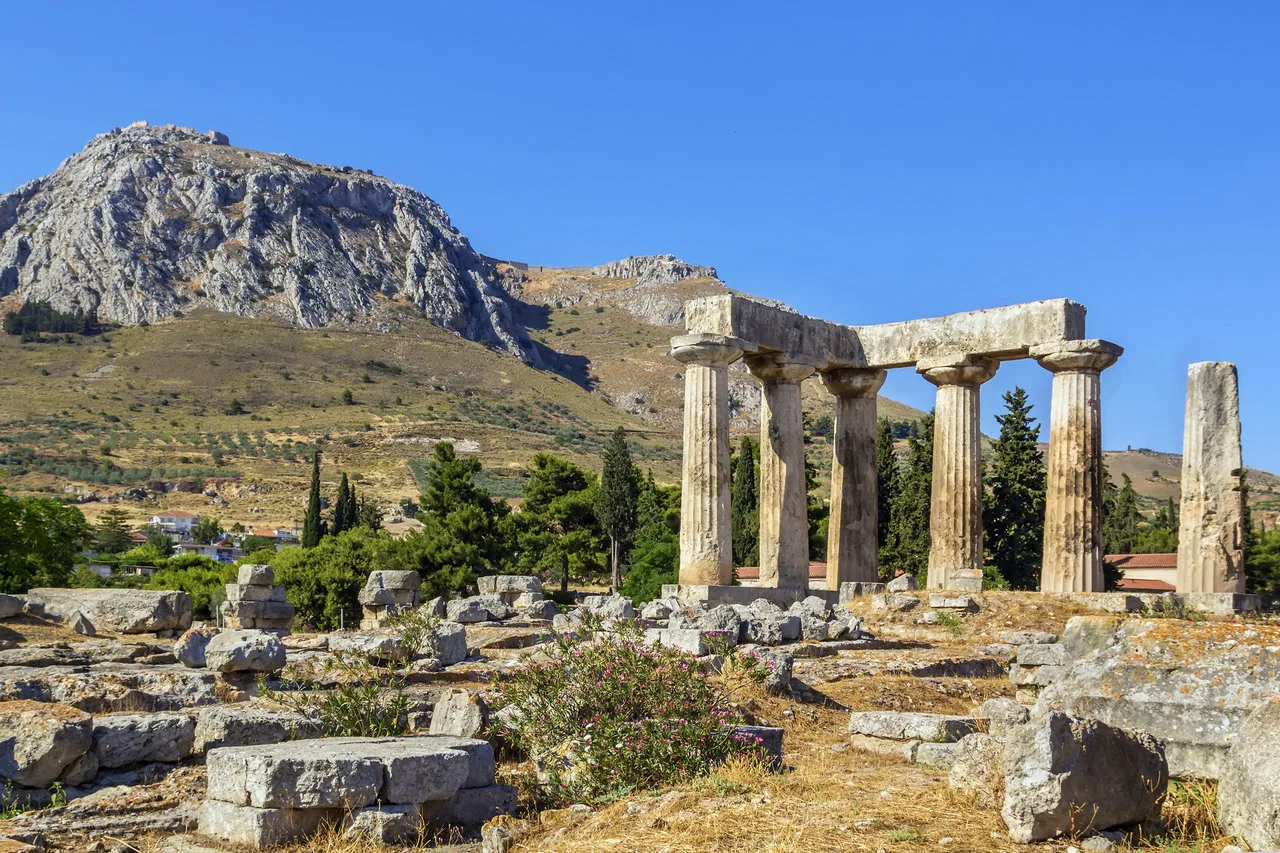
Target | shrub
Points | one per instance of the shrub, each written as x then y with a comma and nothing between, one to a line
367,702
600,718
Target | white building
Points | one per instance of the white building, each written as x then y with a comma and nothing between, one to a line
175,521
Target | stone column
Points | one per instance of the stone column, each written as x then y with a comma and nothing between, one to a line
1072,553
1210,527
955,505
706,544
784,501
852,553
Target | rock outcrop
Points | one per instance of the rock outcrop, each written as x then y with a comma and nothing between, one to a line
150,221
654,269
118,611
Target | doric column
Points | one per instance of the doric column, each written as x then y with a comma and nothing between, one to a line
955,504
1072,556
706,544
784,501
852,553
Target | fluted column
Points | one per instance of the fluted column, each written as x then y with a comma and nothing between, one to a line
706,544
852,553
784,501
955,503
1072,557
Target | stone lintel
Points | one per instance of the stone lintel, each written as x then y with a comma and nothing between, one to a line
1005,332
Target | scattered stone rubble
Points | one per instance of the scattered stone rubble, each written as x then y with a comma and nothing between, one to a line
256,602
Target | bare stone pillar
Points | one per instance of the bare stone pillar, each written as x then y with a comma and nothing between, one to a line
852,553
706,545
784,501
1210,528
955,505
1072,554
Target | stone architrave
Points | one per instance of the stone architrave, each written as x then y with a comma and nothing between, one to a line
955,506
852,553
1210,529
784,500
706,544
1072,554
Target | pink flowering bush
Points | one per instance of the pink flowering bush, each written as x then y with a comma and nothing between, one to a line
604,714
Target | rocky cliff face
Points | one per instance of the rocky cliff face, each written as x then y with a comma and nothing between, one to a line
654,270
150,221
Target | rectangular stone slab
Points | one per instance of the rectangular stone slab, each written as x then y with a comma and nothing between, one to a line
907,725
260,828
1004,332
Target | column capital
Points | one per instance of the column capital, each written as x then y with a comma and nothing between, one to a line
1087,356
708,350
777,367
854,381
968,370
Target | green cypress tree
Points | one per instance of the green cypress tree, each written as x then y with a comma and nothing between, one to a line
345,509
907,545
1013,512
744,505
1121,518
312,524
616,500
886,479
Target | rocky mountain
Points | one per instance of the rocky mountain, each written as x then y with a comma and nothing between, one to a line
150,222
654,270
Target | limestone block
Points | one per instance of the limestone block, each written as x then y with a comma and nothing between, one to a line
940,755
1219,603
223,725
813,628
902,583
119,611
381,647
189,649
978,768
508,584
610,606
850,590
424,771
1064,775
477,608
459,713
1042,654
294,775
450,643
1038,676
1025,638
690,640
953,602
435,607
123,739
525,599
385,824
482,768
258,828
239,592
764,632
723,619
659,608
81,771
1249,791
814,606
894,602
11,605
472,807
1001,714
41,740
256,574
909,725
545,609
768,739
245,651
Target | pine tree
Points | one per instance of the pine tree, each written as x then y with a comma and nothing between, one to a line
907,545
312,524
616,500
1013,512
886,479
744,506
113,532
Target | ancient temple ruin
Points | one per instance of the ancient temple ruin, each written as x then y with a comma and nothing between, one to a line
956,353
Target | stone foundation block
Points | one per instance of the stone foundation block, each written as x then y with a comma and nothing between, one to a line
221,725
908,725
256,574
953,602
123,739
853,589
1042,654
768,738
260,828
386,824
308,776
419,777
1027,638
1219,603
690,640
940,755
472,806
895,602
1038,676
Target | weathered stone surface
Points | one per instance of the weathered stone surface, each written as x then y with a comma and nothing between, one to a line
423,772
11,605
450,643
478,608
851,542
245,651
508,584
894,602
1038,676
544,610
722,621
849,590
459,713
902,583
908,725
189,649
38,741
241,726
120,740
471,807
1025,638
768,739
610,606
118,611
1210,519
978,767
940,755
110,687
1249,790
258,828
1066,775
1190,684
255,574
690,640
1001,714
1042,654
385,824
814,629
483,766
659,608
378,647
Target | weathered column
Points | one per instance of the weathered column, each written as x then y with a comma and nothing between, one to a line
852,553
955,504
1210,528
1072,551
706,545
784,501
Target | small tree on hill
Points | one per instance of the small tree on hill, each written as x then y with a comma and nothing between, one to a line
616,500
312,524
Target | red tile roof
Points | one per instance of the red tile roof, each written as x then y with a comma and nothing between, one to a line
1143,561
752,573
1143,585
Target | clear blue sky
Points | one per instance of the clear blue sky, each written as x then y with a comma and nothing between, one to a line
864,162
